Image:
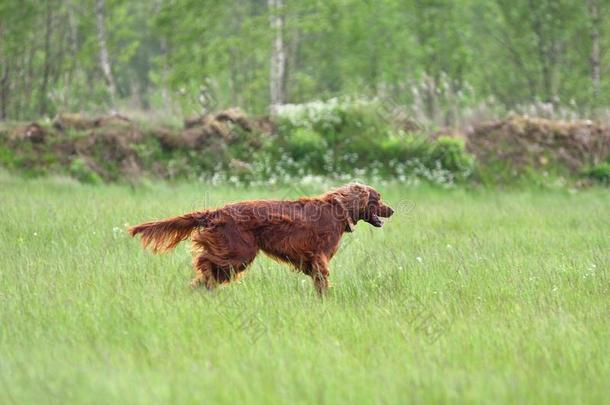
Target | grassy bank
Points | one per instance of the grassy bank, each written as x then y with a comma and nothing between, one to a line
469,296
340,138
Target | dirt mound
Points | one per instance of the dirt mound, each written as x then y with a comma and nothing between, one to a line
536,142
32,132
198,134
103,143
113,147
109,145
79,122
209,130
233,116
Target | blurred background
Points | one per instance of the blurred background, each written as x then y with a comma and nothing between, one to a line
426,67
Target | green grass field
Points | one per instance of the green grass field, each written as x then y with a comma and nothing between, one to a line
463,296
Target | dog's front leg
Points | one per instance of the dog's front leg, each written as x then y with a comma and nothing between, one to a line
319,274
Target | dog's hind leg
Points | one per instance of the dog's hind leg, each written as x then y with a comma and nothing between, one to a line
203,270
222,254
211,274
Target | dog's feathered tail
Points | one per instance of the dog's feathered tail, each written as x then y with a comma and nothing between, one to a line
164,235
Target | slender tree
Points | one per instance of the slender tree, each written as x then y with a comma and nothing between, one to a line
103,49
4,91
4,79
278,55
595,59
46,70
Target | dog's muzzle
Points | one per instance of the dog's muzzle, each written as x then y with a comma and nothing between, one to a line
383,211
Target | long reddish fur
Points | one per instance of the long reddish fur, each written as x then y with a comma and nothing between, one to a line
304,233
165,234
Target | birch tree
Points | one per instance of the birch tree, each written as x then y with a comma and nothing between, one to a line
277,74
595,59
103,49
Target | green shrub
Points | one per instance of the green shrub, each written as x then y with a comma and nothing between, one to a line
450,153
350,131
302,143
599,173
81,171
7,158
149,151
354,133
245,143
404,147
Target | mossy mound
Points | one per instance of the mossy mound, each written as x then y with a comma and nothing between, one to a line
524,142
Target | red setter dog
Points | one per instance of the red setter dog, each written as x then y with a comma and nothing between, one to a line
304,233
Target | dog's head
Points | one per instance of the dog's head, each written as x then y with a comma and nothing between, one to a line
362,202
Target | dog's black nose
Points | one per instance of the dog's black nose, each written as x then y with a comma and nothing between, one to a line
390,212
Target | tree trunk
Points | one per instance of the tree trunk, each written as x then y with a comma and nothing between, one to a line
103,49
4,89
595,59
47,59
73,36
293,55
164,53
165,95
277,72
543,52
4,80
73,29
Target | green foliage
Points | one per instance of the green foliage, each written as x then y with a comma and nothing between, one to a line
599,173
403,147
149,151
347,138
450,153
82,172
355,133
7,157
305,143
346,126
74,134
433,56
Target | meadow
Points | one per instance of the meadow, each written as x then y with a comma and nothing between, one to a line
464,295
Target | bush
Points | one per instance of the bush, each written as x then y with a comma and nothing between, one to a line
343,123
7,158
352,133
599,173
348,131
450,154
403,147
305,143
81,171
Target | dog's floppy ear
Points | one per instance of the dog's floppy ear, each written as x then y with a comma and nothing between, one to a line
350,225
361,194
353,199
357,200
344,213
